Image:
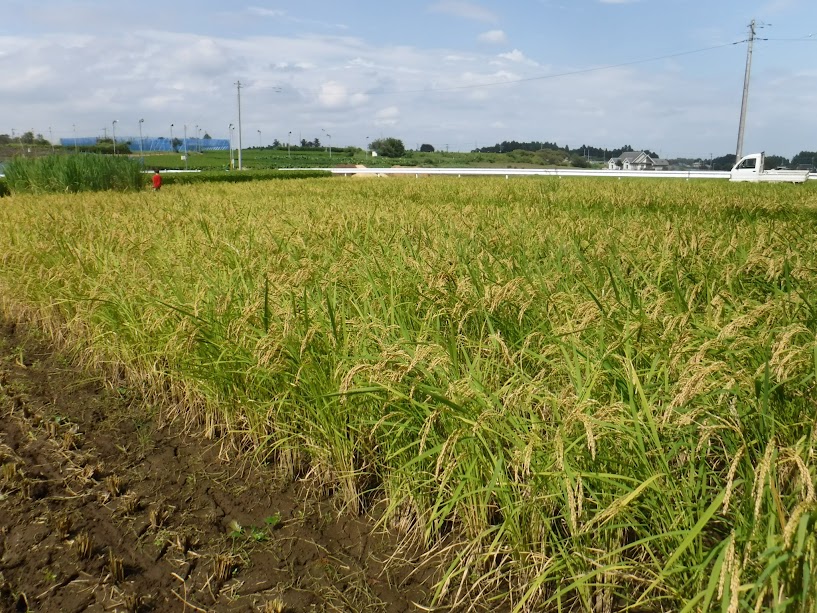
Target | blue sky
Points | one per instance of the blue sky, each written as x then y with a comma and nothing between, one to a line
447,72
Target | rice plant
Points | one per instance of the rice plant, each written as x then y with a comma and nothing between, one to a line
582,394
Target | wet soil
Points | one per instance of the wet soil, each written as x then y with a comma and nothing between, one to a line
104,508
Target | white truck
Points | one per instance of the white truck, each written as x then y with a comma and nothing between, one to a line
751,168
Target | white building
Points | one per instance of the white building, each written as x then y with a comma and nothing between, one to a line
637,160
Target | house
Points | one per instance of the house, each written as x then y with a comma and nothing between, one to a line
637,160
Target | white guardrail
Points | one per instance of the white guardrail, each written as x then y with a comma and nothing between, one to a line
534,172
521,172
540,172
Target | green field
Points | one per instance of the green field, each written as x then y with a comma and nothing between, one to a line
582,394
296,158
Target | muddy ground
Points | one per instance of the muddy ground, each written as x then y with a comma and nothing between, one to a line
101,509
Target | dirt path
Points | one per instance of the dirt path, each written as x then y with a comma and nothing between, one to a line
101,510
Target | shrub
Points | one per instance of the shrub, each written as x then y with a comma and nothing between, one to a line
389,147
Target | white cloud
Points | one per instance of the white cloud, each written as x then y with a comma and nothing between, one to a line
334,95
517,56
388,116
493,37
464,9
264,12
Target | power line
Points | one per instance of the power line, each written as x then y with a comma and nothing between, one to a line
427,90
558,75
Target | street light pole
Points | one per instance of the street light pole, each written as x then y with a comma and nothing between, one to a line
329,136
51,138
230,137
141,142
260,146
171,139
185,146
289,137
238,89
113,126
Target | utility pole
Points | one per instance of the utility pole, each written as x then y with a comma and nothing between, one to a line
141,142
185,146
745,102
238,89
230,135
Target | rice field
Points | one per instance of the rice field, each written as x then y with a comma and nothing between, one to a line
580,394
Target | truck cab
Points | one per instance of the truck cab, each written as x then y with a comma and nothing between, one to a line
751,169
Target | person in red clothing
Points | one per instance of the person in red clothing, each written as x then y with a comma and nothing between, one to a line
157,181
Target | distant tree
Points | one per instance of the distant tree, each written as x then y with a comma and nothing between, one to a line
804,158
316,143
176,143
552,157
389,147
426,148
207,136
27,138
5,139
776,161
304,143
276,144
725,162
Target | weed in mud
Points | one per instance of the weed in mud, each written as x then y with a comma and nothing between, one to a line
258,535
235,529
273,521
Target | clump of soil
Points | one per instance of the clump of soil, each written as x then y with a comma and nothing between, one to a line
102,509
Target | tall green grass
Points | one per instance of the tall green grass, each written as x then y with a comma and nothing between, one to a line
73,173
580,394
